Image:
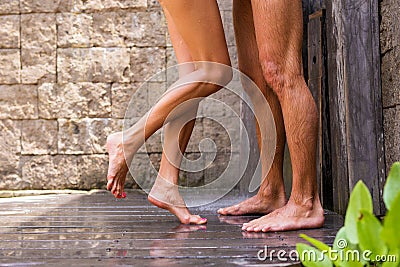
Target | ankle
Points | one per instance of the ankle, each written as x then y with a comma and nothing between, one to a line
306,202
272,192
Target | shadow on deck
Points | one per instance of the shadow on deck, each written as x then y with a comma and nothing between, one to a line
98,230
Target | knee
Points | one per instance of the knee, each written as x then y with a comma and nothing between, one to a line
275,76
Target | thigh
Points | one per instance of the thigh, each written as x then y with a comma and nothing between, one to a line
246,43
199,24
181,49
279,29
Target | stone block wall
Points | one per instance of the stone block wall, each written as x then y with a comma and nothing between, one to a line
390,68
68,69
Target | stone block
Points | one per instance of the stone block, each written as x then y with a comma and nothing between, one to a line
140,169
389,26
155,91
74,100
224,171
116,29
39,137
172,68
225,4
92,171
123,94
219,162
231,100
38,48
234,57
392,135
227,21
38,66
391,78
10,31
74,29
196,137
50,6
153,5
93,65
225,133
50,172
83,136
154,143
108,5
148,62
38,32
192,170
9,6
18,102
214,106
10,66
10,149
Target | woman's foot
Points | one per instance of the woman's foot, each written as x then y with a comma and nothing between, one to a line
292,216
262,203
165,195
117,168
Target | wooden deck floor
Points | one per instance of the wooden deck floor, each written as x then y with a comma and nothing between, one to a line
98,230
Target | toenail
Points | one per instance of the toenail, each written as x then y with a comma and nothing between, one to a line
124,195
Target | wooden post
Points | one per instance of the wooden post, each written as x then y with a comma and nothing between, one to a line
317,82
355,99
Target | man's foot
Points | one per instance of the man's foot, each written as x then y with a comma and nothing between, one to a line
257,204
166,195
117,167
290,217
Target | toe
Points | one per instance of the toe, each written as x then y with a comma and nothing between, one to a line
196,219
110,182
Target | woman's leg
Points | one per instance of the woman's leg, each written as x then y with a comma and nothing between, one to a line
272,191
199,23
164,193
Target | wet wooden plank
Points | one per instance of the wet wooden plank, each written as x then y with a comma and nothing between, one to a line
95,229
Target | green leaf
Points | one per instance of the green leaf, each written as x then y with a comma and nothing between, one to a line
360,199
392,186
369,229
342,246
312,257
318,244
391,226
321,246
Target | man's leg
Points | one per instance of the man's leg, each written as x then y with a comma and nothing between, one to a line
278,25
272,191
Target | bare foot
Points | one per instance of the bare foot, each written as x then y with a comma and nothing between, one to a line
258,204
117,168
290,217
166,195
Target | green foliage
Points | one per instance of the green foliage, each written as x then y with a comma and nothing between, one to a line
363,234
360,199
392,186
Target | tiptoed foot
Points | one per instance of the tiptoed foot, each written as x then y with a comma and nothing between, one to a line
292,216
166,195
258,204
117,167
